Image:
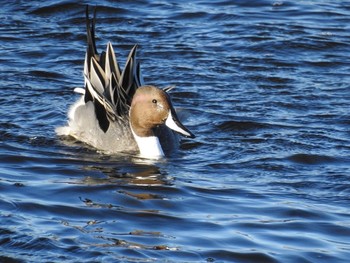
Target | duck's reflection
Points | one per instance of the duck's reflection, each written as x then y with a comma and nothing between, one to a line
135,174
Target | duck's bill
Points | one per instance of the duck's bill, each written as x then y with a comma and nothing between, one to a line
173,123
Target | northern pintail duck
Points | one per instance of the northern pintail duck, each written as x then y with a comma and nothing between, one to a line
117,112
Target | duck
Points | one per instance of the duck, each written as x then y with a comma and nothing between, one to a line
117,112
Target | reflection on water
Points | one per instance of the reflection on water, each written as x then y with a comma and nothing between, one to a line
136,175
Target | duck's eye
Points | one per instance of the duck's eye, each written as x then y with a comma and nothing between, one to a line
154,101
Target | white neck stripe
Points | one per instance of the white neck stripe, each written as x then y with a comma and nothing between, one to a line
149,146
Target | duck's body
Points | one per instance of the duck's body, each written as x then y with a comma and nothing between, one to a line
82,126
117,112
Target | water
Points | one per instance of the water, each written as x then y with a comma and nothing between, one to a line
266,84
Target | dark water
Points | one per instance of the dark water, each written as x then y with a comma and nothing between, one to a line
267,84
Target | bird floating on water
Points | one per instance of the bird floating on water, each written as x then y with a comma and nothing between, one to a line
117,112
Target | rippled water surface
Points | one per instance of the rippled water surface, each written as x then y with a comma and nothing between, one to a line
267,87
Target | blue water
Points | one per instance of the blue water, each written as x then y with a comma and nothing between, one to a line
267,86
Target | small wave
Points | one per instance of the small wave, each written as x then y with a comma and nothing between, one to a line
45,74
230,256
48,9
303,158
233,126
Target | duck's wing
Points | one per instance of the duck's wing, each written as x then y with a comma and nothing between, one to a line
110,89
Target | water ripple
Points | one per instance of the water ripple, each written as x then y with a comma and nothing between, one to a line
265,85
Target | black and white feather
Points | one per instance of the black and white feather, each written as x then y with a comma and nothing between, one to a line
106,85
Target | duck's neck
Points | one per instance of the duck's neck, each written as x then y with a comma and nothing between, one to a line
149,146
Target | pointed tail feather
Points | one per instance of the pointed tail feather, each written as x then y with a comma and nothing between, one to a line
111,65
90,33
127,79
109,88
91,50
98,77
169,88
139,78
